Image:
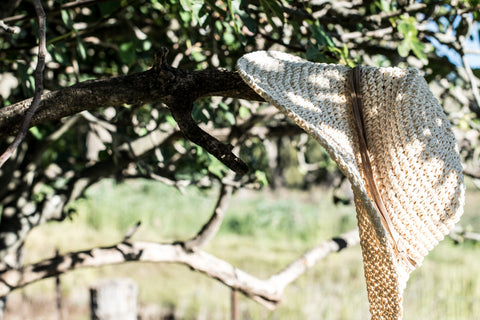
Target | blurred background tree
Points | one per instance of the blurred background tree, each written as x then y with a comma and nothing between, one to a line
92,39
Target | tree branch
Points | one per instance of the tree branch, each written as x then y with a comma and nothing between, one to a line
161,83
42,52
210,229
459,235
266,292
65,6
311,257
137,88
9,29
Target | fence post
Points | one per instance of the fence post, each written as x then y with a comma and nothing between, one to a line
114,299
234,304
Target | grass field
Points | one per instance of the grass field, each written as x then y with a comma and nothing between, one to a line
262,232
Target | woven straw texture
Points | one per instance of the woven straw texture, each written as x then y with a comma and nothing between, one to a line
413,152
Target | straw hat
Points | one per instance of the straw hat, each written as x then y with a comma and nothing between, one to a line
392,140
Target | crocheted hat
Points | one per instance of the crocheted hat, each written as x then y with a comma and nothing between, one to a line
392,140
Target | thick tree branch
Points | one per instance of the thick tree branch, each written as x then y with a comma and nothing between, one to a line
266,292
161,83
154,85
137,88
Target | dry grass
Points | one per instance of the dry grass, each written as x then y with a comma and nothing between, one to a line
262,232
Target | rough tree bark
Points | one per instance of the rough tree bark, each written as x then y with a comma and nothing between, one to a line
161,83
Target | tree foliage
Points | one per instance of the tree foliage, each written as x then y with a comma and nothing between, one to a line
138,137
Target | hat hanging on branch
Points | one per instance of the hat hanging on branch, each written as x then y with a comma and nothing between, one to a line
390,137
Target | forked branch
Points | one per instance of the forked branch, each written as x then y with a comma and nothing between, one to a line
266,292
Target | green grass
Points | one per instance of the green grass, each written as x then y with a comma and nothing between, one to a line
261,233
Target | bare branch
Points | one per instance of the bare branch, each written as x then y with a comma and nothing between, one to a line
361,36
210,229
131,231
9,29
459,234
65,6
473,79
311,257
42,52
266,292
471,171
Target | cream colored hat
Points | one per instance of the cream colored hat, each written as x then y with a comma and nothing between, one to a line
398,151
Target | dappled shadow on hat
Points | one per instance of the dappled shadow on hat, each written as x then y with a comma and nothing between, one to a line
412,149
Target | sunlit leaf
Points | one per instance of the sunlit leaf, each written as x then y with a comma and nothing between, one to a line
36,133
261,177
230,118
216,167
82,51
404,48
243,112
418,49
67,20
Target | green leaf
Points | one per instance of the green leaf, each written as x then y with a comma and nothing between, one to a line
67,20
230,118
418,49
385,5
243,112
261,177
26,79
223,106
146,45
127,52
197,54
216,167
36,133
232,11
170,120
271,7
199,113
82,51
404,48
274,7
194,8
58,52
319,34
407,28
228,36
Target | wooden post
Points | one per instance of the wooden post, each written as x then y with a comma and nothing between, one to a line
58,296
234,304
114,299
